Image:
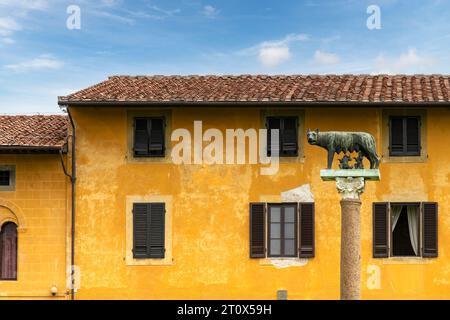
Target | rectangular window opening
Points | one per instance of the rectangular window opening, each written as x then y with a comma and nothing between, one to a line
405,230
288,136
282,230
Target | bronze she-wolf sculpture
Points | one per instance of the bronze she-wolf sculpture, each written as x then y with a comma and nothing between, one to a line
337,142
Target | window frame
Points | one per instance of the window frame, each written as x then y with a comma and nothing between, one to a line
282,227
391,233
16,252
12,178
164,126
282,118
405,152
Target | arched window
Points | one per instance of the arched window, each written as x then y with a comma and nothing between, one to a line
8,251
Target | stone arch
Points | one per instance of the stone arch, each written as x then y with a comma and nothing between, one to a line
9,212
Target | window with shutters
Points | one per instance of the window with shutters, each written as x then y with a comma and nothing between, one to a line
288,135
404,133
282,230
149,137
7,178
8,252
397,230
149,230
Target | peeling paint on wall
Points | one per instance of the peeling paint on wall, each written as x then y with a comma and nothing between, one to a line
300,194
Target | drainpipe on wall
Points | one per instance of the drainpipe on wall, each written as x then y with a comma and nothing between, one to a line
73,183
73,180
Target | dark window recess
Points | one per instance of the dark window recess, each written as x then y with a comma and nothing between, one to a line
149,139
257,230
401,237
430,229
282,240
306,230
404,136
149,230
5,178
288,136
8,252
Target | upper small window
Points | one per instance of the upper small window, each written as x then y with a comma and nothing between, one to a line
404,136
288,135
5,178
149,138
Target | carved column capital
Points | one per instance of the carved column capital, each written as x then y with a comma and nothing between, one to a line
350,188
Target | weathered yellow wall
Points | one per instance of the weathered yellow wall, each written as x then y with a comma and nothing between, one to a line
39,203
210,213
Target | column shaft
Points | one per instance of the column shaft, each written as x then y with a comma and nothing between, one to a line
350,249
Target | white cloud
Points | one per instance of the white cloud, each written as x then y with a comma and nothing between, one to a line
26,4
322,57
273,53
7,41
43,62
210,11
8,26
409,62
271,57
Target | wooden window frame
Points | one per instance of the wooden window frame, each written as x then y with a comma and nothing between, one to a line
420,206
148,154
282,225
16,252
405,152
282,153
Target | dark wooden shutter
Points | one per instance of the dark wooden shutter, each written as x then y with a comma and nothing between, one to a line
306,231
8,252
157,128
257,230
380,230
141,221
289,136
157,230
413,136
272,124
430,229
397,141
141,137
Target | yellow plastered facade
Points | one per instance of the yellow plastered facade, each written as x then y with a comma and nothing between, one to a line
210,218
208,235
38,206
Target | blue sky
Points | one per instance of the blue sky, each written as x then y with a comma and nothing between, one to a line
40,58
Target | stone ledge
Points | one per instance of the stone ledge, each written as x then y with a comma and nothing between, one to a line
367,174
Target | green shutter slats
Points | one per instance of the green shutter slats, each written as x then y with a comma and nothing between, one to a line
157,136
140,230
141,137
157,231
404,136
289,136
149,230
149,137
380,230
430,230
306,230
413,135
257,230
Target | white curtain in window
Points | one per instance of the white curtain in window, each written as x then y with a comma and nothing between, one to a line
413,223
395,211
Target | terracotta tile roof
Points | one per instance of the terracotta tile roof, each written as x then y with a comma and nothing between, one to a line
261,88
38,132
